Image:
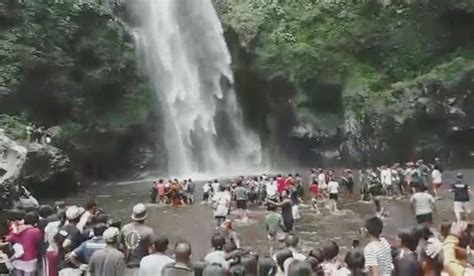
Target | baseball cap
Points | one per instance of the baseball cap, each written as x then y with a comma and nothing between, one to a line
74,212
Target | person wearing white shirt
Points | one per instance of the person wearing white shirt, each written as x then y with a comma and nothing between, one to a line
221,204
215,186
218,255
437,177
333,190
152,265
322,181
271,188
386,179
423,204
206,192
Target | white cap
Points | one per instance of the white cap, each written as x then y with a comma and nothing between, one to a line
111,234
139,212
74,212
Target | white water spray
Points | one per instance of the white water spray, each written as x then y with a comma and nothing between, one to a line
189,65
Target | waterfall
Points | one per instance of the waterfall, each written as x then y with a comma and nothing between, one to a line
189,66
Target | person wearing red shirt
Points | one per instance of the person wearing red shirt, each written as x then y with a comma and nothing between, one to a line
314,189
281,184
314,192
29,237
289,183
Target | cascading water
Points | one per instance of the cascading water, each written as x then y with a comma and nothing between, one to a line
189,65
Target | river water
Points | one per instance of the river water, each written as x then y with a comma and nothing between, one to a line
195,223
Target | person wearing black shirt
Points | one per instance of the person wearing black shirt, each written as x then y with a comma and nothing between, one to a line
461,197
69,237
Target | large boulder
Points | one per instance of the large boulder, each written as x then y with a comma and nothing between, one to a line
12,159
48,171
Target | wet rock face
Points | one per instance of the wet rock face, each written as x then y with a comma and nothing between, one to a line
48,171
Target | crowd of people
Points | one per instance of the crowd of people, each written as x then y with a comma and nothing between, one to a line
37,134
173,192
72,240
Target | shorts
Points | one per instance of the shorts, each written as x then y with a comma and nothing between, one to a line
461,206
424,218
334,196
241,204
437,185
205,196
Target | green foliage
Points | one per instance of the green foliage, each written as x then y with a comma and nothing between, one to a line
362,46
14,126
71,63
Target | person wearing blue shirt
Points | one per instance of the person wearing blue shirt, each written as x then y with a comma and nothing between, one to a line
83,253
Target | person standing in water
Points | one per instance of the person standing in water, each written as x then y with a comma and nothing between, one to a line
286,211
322,182
423,204
190,191
295,203
271,188
461,197
363,185
333,190
300,190
206,192
348,180
215,186
161,191
280,184
386,180
221,204
241,197
424,171
314,192
274,226
437,177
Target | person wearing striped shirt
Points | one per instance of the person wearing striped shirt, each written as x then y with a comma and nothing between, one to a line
377,253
